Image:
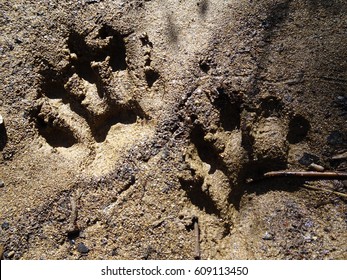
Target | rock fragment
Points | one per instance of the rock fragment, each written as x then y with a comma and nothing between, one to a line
83,249
308,159
5,225
316,167
268,236
10,254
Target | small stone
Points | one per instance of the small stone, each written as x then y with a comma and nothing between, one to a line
83,249
325,252
114,252
326,229
307,159
309,224
144,35
316,167
268,236
10,254
18,41
7,155
5,225
2,184
73,56
308,238
92,1
1,120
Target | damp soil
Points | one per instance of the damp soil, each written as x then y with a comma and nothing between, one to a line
128,125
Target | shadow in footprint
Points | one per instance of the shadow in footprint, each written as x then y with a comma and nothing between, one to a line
124,115
230,111
198,197
3,137
298,129
55,135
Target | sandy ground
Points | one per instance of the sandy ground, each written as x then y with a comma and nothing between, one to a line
132,129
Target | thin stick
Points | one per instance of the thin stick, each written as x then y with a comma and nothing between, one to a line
74,212
329,175
326,190
340,156
197,239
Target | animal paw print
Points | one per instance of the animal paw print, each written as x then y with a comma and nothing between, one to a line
93,92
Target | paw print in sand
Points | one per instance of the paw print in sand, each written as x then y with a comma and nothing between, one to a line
94,91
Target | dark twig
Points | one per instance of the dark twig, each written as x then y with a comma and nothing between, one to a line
326,190
197,239
328,175
74,212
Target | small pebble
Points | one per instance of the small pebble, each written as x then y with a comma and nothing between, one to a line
83,249
2,184
316,167
325,252
73,56
267,236
307,159
144,35
5,225
308,238
1,120
114,252
10,254
18,41
309,224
